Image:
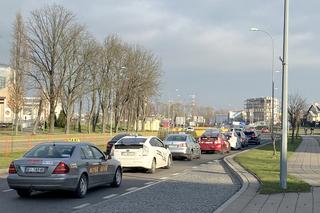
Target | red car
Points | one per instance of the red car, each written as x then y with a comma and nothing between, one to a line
213,141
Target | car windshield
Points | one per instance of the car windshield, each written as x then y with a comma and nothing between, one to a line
51,151
176,138
131,141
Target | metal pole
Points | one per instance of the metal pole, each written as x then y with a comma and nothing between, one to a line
283,163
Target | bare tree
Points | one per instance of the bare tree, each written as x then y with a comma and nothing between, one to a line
40,111
295,110
19,65
50,35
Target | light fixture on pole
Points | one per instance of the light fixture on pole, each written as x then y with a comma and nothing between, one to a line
272,79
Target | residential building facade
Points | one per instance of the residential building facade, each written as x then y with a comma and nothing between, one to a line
259,110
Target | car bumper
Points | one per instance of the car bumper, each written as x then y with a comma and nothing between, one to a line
210,147
42,183
253,141
180,152
143,162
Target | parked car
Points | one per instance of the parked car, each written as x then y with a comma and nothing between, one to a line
243,138
63,166
233,139
183,145
253,136
212,140
114,140
189,129
144,152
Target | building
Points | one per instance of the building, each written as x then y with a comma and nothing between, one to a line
5,112
30,108
313,114
239,115
258,110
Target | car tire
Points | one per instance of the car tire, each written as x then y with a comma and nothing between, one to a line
168,166
24,192
117,179
153,167
82,187
190,157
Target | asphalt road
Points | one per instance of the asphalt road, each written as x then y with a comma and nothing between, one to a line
188,186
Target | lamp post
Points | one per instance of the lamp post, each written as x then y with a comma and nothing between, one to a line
111,101
283,155
272,78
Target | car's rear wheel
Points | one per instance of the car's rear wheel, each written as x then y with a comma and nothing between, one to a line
24,192
117,179
82,187
190,157
169,162
153,167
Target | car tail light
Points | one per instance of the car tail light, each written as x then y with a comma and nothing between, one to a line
62,168
145,151
253,135
217,142
12,169
182,145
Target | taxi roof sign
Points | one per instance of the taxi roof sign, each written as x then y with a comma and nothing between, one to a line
73,140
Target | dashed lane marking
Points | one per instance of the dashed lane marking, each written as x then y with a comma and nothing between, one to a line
148,183
132,188
8,190
194,167
163,178
110,196
81,206
141,188
175,174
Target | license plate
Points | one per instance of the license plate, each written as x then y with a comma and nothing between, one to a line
128,153
173,146
35,170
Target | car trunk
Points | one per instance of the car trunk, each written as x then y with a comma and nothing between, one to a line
129,150
36,167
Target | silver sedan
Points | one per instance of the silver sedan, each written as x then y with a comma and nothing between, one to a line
63,166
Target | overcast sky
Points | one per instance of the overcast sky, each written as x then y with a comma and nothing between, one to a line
205,46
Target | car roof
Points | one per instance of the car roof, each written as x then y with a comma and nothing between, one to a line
65,143
184,134
146,137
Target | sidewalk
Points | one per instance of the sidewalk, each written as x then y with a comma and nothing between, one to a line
304,164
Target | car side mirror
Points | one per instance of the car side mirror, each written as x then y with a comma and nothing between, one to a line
166,146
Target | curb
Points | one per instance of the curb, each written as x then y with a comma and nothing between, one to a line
3,172
229,163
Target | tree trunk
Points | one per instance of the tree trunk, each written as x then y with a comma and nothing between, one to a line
298,129
68,112
16,120
103,120
292,135
36,123
80,112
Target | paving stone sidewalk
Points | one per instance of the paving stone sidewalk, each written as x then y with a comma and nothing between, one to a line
305,165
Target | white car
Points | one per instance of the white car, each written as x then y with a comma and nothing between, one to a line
144,152
234,140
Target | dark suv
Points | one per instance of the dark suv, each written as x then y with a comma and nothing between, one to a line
114,140
253,136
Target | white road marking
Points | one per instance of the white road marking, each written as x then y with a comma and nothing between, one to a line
210,162
148,183
8,190
81,206
194,167
175,174
138,189
110,196
132,188
163,178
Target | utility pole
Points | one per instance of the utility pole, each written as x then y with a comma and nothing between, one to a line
283,163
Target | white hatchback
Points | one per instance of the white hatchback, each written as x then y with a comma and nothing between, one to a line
144,152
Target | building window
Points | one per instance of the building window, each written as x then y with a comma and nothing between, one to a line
2,82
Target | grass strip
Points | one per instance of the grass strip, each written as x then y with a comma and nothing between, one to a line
266,167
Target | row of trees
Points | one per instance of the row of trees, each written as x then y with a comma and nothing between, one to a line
63,63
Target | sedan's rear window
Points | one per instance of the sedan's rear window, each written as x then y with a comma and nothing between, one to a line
51,151
248,133
176,138
131,141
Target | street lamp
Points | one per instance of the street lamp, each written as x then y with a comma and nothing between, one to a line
111,101
272,78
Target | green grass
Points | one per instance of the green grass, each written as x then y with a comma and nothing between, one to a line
6,159
266,167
